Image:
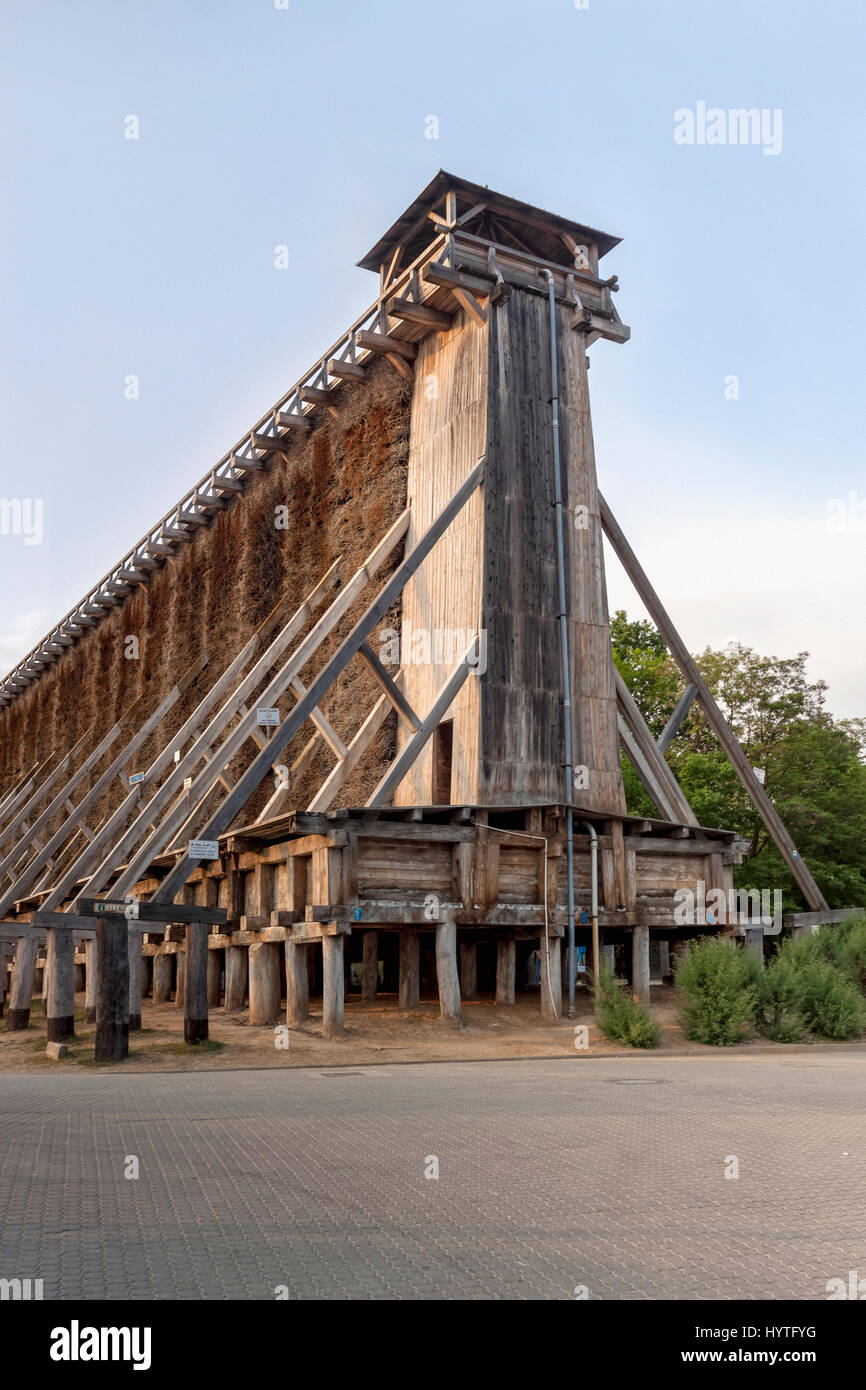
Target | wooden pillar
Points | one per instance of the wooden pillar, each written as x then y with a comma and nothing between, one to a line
332,987
134,950
264,967
506,967
370,967
446,973
180,977
79,979
21,992
640,964
162,971
146,975
236,978
44,986
664,960
551,988
214,978
112,1009
60,1009
468,969
195,1025
755,943
410,968
297,984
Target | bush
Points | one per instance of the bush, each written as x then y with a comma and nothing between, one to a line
621,1017
849,949
803,983
777,1007
717,979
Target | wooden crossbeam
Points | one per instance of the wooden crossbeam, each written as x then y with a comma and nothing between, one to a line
675,723
404,760
113,841
75,819
723,731
291,419
390,687
666,790
42,791
260,767
384,342
421,314
347,371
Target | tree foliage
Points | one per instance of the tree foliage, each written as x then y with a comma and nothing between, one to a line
812,763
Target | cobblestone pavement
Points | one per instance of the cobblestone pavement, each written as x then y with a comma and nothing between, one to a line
608,1174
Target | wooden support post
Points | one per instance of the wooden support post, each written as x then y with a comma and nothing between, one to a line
468,969
60,1009
180,977
640,964
134,951
664,959
21,993
195,1022
551,978
446,974
755,943
112,1009
332,987
264,966
297,984
214,978
410,967
146,976
90,981
236,979
370,967
162,963
506,966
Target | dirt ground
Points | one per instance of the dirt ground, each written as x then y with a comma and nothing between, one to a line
378,1032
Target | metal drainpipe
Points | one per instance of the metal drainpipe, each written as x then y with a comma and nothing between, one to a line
563,628
593,868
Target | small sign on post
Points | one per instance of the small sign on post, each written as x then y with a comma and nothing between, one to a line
268,718
135,778
204,849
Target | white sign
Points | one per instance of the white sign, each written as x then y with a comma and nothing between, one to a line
204,849
267,718
136,778
131,911
100,908
187,783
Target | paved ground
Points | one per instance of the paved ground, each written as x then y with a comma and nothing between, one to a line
603,1173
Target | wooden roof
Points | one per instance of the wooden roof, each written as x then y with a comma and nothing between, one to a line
539,230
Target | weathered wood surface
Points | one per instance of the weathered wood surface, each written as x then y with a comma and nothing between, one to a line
447,976
112,1008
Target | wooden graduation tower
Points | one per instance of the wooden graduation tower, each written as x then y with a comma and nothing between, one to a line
490,826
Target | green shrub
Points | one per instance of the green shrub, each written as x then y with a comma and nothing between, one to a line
620,1016
804,982
717,979
777,1007
849,949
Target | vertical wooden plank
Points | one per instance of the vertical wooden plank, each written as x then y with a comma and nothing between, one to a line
506,966
446,974
195,1019
297,984
162,973
112,1008
468,969
21,991
61,984
410,968
370,966
236,979
264,968
134,952
640,964
90,981
332,987
214,978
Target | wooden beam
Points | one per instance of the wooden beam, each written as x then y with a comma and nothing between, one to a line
451,279
292,419
674,724
421,314
223,816
390,687
346,371
715,718
384,342
673,800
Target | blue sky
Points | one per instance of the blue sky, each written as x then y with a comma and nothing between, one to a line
306,127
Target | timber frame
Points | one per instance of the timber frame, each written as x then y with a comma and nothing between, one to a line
137,886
